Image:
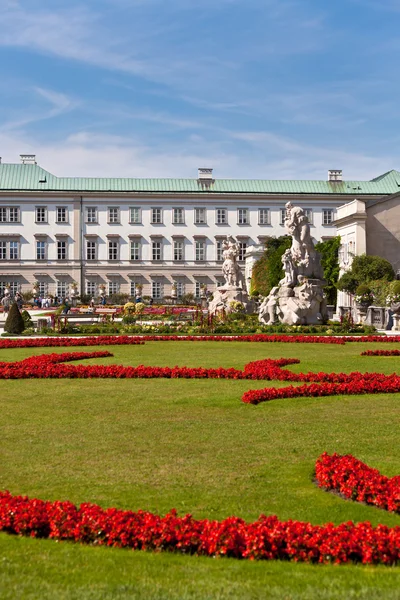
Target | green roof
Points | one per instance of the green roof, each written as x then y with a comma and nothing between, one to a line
32,178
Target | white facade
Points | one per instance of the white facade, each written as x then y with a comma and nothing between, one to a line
59,231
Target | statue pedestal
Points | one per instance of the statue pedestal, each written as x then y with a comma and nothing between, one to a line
226,294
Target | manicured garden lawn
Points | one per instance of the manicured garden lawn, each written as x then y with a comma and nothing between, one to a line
191,445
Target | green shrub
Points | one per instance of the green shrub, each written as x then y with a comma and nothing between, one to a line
14,322
27,319
365,268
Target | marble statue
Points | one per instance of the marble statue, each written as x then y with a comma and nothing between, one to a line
234,288
299,298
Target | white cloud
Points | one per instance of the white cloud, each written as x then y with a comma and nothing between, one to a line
87,155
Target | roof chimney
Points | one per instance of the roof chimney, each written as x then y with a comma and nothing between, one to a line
28,159
335,175
205,174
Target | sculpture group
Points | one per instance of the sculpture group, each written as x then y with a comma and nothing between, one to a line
299,298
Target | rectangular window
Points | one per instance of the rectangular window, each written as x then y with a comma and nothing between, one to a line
200,216
200,247
264,216
242,250
156,216
91,250
135,250
135,216
14,250
133,289
309,214
327,216
13,286
156,289
113,250
156,250
91,214
113,287
282,216
221,216
9,214
61,250
61,214
218,247
41,214
197,289
178,250
243,216
91,288
14,214
43,289
113,214
180,289
178,216
9,250
62,289
41,250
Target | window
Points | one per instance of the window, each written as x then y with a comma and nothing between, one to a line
242,250
113,287
62,289
9,250
41,248
222,218
113,214
156,250
200,216
133,289
41,214
282,216
264,216
243,216
112,250
91,214
61,250
43,289
9,214
156,216
61,214
180,289
135,216
91,250
178,216
14,250
13,286
197,289
309,214
156,289
178,250
135,250
327,216
219,283
200,247
91,288
218,247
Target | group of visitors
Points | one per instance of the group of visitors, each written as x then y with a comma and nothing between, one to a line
8,300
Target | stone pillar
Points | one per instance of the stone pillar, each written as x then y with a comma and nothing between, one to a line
253,254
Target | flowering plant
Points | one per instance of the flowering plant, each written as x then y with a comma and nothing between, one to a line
394,293
364,295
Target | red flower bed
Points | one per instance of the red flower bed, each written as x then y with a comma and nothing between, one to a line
381,353
355,480
267,538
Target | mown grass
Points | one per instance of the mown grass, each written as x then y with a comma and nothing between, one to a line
192,445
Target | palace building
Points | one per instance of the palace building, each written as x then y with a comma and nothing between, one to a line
121,232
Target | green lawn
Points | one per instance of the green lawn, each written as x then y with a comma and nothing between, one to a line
192,445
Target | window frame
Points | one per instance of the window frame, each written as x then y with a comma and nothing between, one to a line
135,244
156,210
113,249
200,250
137,221
91,220
178,210
58,219
219,211
267,211
156,250
197,220
243,216
45,214
62,245
325,212
44,245
113,215
179,250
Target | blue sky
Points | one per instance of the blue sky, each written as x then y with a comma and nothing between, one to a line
265,89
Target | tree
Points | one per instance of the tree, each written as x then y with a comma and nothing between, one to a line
14,322
364,269
267,271
329,251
